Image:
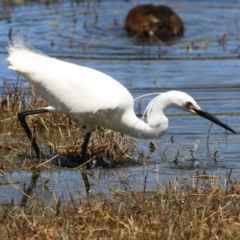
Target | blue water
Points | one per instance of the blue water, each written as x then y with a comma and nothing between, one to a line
92,34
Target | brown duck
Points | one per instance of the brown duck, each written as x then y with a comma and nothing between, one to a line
161,22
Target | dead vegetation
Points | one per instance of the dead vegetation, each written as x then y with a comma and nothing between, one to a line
56,133
198,209
182,210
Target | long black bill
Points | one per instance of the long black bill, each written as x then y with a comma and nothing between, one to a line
213,119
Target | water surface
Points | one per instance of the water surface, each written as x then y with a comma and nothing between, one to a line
91,34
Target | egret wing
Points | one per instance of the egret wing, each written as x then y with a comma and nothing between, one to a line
69,87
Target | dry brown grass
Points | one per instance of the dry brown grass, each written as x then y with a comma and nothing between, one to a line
201,209
56,133
183,210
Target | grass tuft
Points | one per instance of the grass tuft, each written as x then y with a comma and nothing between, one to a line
56,133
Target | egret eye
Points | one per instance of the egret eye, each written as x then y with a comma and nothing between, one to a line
189,105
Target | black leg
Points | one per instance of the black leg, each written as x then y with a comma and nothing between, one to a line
84,148
22,119
85,144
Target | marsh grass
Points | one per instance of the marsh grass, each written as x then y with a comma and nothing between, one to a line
200,209
55,133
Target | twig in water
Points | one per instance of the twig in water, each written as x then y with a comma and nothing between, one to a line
85,47
208,137
145,182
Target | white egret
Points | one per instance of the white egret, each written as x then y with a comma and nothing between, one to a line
93,97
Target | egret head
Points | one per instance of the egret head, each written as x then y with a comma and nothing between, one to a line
180,100
189,104
185,102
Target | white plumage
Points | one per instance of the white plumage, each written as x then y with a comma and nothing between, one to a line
95,98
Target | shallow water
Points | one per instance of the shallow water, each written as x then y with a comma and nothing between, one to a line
91,34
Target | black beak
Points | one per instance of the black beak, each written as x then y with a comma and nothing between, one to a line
213,119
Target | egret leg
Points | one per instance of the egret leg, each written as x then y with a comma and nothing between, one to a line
84,148
22,120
